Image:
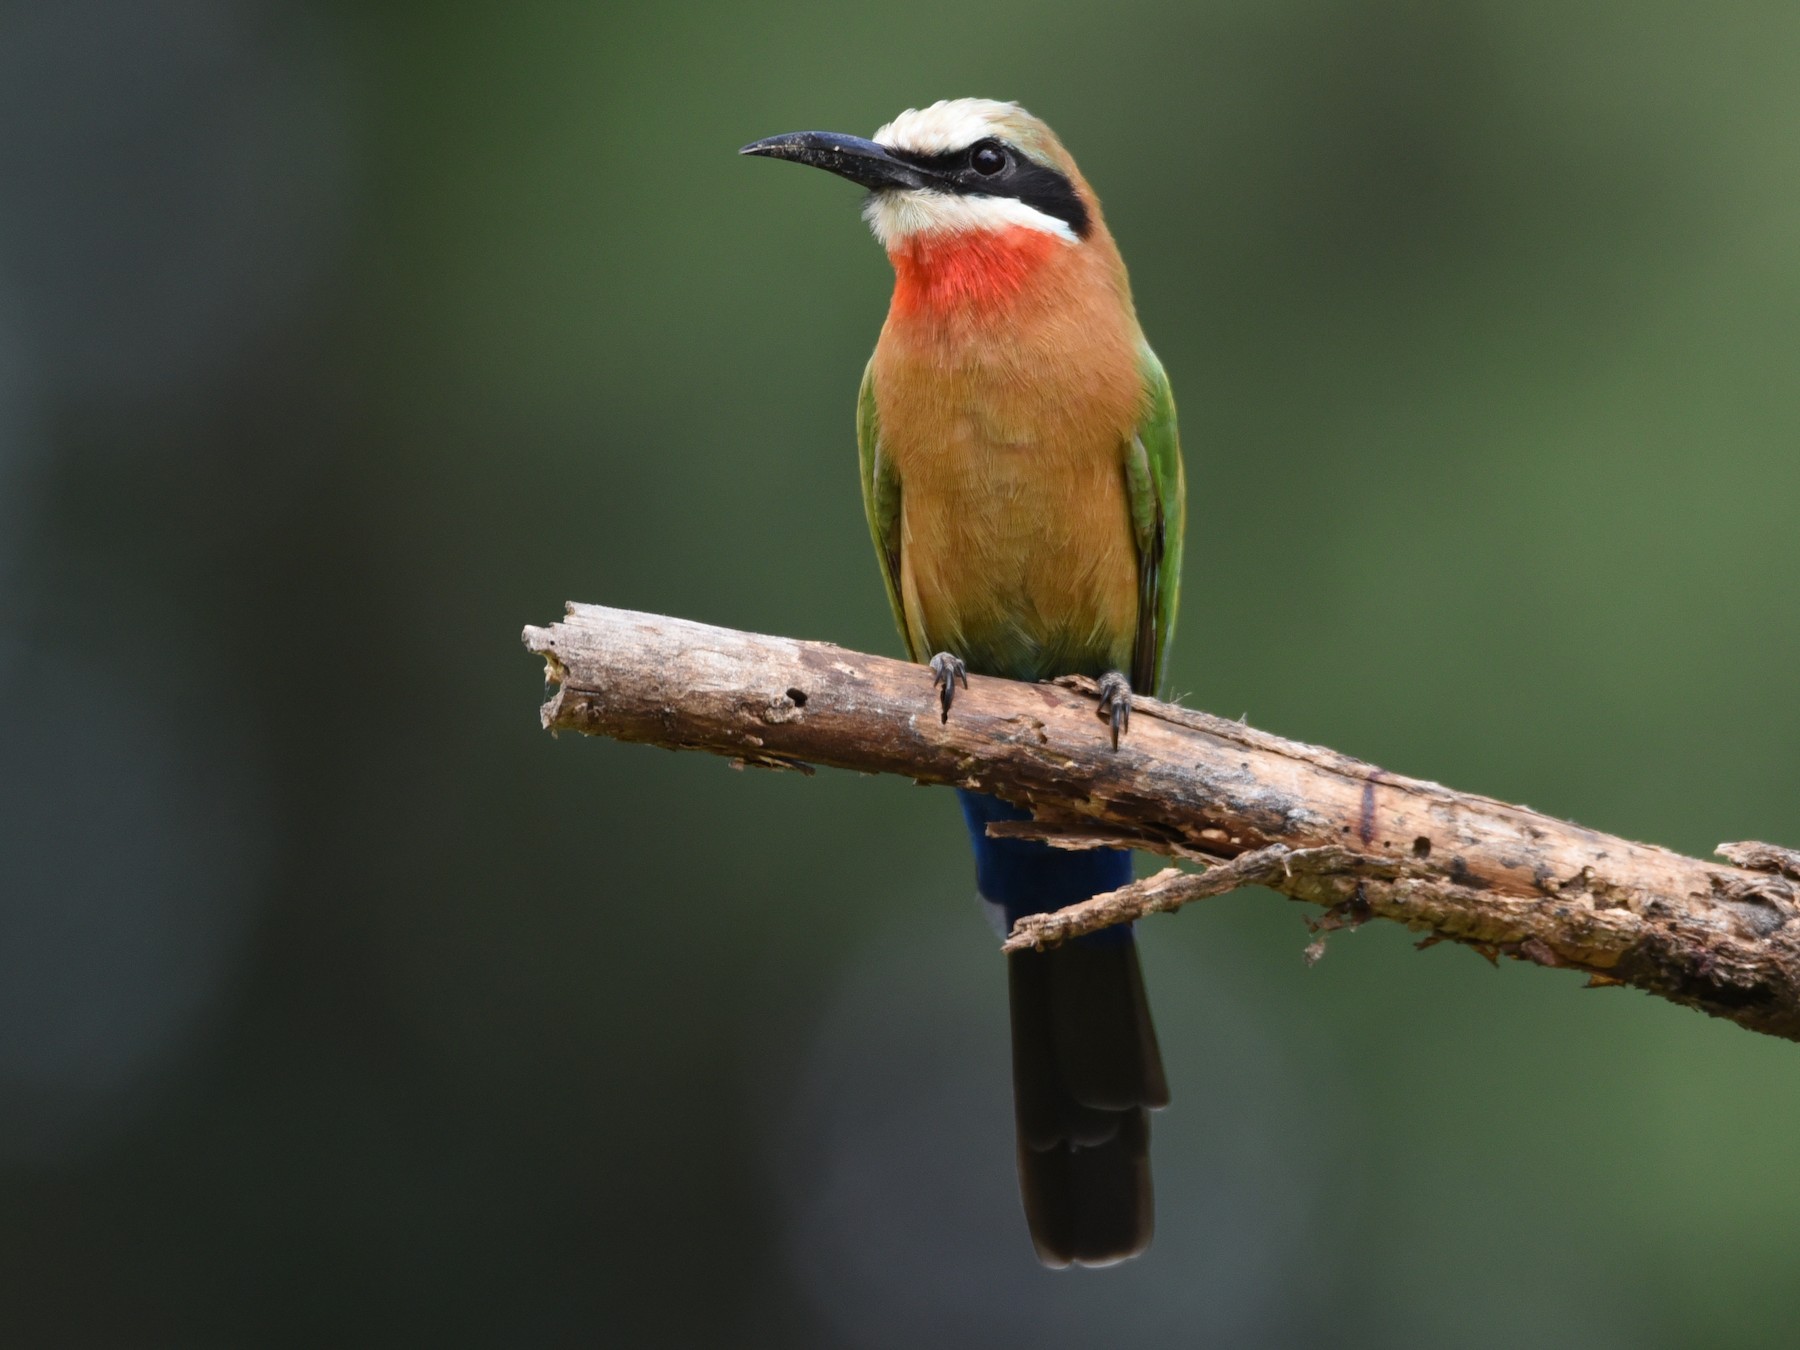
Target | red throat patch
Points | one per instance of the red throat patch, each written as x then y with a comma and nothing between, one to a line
979,270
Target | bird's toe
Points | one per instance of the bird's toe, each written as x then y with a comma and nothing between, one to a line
946,671
1115,704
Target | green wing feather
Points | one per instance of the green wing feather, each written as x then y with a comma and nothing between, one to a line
881,501
1157,492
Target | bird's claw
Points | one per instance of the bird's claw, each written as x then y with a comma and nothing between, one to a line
1115,704
946,671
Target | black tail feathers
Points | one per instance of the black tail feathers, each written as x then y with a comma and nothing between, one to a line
1086,1074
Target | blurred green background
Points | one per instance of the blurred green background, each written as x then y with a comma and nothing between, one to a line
340,1005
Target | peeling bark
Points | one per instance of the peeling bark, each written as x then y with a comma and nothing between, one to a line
1299,819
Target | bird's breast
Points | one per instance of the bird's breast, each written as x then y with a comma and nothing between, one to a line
1008,436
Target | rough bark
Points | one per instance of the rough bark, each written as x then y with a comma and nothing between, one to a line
1299,819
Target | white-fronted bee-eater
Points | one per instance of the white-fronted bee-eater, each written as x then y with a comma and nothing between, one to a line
1023,484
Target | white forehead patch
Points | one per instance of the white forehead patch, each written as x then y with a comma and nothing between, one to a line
896,217
949,124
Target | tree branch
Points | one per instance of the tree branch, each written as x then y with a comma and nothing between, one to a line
1305,821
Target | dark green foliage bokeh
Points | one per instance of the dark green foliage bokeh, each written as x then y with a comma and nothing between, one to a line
1482,320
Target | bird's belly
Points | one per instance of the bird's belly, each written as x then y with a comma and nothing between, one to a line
1018,558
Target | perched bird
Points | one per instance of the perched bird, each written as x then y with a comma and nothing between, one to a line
1023,484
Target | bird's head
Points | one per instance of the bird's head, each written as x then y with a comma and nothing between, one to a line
959,167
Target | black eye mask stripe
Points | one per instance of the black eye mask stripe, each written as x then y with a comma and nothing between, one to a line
1037,185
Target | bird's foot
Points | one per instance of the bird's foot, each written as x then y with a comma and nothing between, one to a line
946,670
1115,703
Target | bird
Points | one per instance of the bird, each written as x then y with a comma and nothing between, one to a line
1022,478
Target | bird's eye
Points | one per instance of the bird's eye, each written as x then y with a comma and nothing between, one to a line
987,160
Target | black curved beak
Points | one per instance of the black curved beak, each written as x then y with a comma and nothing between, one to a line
873,166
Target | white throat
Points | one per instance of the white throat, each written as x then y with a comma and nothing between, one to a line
897,217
